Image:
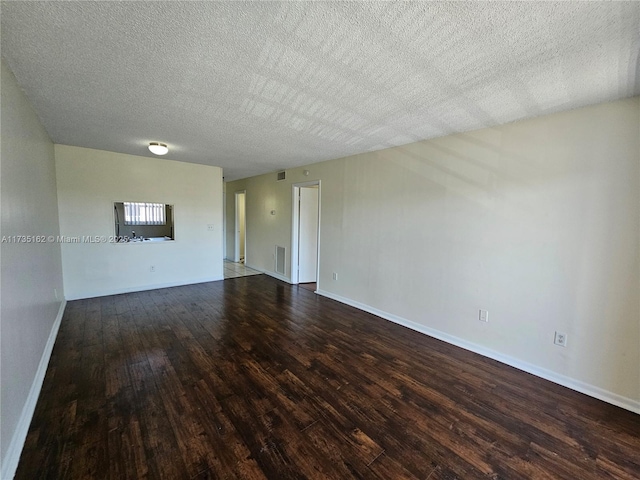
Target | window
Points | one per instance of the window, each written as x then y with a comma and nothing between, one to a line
137,213
143,222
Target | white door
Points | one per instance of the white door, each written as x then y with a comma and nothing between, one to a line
308,235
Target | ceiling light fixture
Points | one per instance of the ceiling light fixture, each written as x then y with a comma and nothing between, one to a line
158,148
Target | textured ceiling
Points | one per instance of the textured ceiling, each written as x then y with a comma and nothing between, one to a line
259,86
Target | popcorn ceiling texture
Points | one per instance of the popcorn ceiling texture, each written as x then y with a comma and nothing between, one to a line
256,87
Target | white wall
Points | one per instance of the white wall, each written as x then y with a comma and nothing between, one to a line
536,221
90,181
30,271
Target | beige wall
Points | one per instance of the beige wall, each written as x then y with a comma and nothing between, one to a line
536,221
90,181
30,271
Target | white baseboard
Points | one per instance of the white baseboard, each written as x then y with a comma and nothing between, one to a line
573,384
10,462
117,291
271,274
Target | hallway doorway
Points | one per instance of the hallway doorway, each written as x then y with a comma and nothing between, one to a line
240,228
305,233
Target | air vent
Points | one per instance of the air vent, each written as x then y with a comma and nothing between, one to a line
282,175
280,259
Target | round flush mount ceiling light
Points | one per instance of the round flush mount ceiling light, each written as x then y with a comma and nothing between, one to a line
158,148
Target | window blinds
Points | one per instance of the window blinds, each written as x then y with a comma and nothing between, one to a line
137,213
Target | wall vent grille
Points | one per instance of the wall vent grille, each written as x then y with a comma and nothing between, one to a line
280,260
282,175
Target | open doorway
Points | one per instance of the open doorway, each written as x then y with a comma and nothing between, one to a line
240,228
306,234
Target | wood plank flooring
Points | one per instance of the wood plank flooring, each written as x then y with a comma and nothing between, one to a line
251,378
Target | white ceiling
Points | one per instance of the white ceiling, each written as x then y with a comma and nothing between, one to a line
259,86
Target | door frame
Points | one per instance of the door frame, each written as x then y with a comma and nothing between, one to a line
295,227
236,237
224,220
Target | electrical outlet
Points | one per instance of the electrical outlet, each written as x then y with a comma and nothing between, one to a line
55,293
335,276
152,268
483,316
560,339
210,227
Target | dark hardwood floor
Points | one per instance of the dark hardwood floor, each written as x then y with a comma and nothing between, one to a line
251,378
